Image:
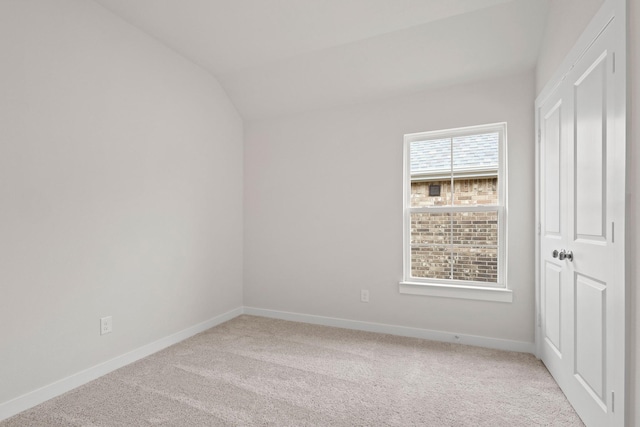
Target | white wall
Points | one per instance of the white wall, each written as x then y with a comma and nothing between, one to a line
567,21
120,191
323,210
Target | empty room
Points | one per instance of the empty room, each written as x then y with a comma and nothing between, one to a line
319,213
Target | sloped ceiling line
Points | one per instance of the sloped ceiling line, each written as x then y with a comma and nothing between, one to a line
281,57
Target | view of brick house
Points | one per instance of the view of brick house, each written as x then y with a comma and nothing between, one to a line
460,245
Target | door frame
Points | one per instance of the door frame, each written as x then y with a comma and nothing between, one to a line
610,9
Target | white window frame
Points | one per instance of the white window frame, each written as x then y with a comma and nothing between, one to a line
449,287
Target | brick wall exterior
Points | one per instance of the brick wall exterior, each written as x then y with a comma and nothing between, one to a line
469,230
467,192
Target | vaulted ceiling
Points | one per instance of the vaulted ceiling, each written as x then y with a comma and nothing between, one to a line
276,57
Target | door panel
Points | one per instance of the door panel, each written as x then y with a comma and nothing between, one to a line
553,223
590,327
552,295
590,92
552,159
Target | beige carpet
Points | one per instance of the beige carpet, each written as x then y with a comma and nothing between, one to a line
253,371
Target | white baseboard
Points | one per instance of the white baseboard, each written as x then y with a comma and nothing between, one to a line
31,399
478,341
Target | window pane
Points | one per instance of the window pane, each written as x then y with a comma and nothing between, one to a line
430,156
475,264
475,191
430,229
432,262
475,152
475,228
424,194
475,169
430,162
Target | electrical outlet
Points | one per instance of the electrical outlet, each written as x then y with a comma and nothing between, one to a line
106,325
364,295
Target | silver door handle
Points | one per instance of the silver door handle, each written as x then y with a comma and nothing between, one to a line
565,255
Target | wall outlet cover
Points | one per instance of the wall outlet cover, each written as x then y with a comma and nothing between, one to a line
106,325
364,295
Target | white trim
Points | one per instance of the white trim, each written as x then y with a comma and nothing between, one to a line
537,233
38,396
501,208
458,173
479,293
458,208
455,132
404,331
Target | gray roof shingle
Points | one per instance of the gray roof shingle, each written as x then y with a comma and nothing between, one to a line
469,152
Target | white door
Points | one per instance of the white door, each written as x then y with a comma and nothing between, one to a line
553,214
581,293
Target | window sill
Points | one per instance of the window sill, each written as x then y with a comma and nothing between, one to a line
457,291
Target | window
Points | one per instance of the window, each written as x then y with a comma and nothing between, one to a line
454,210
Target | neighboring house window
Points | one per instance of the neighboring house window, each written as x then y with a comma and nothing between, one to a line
454,207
